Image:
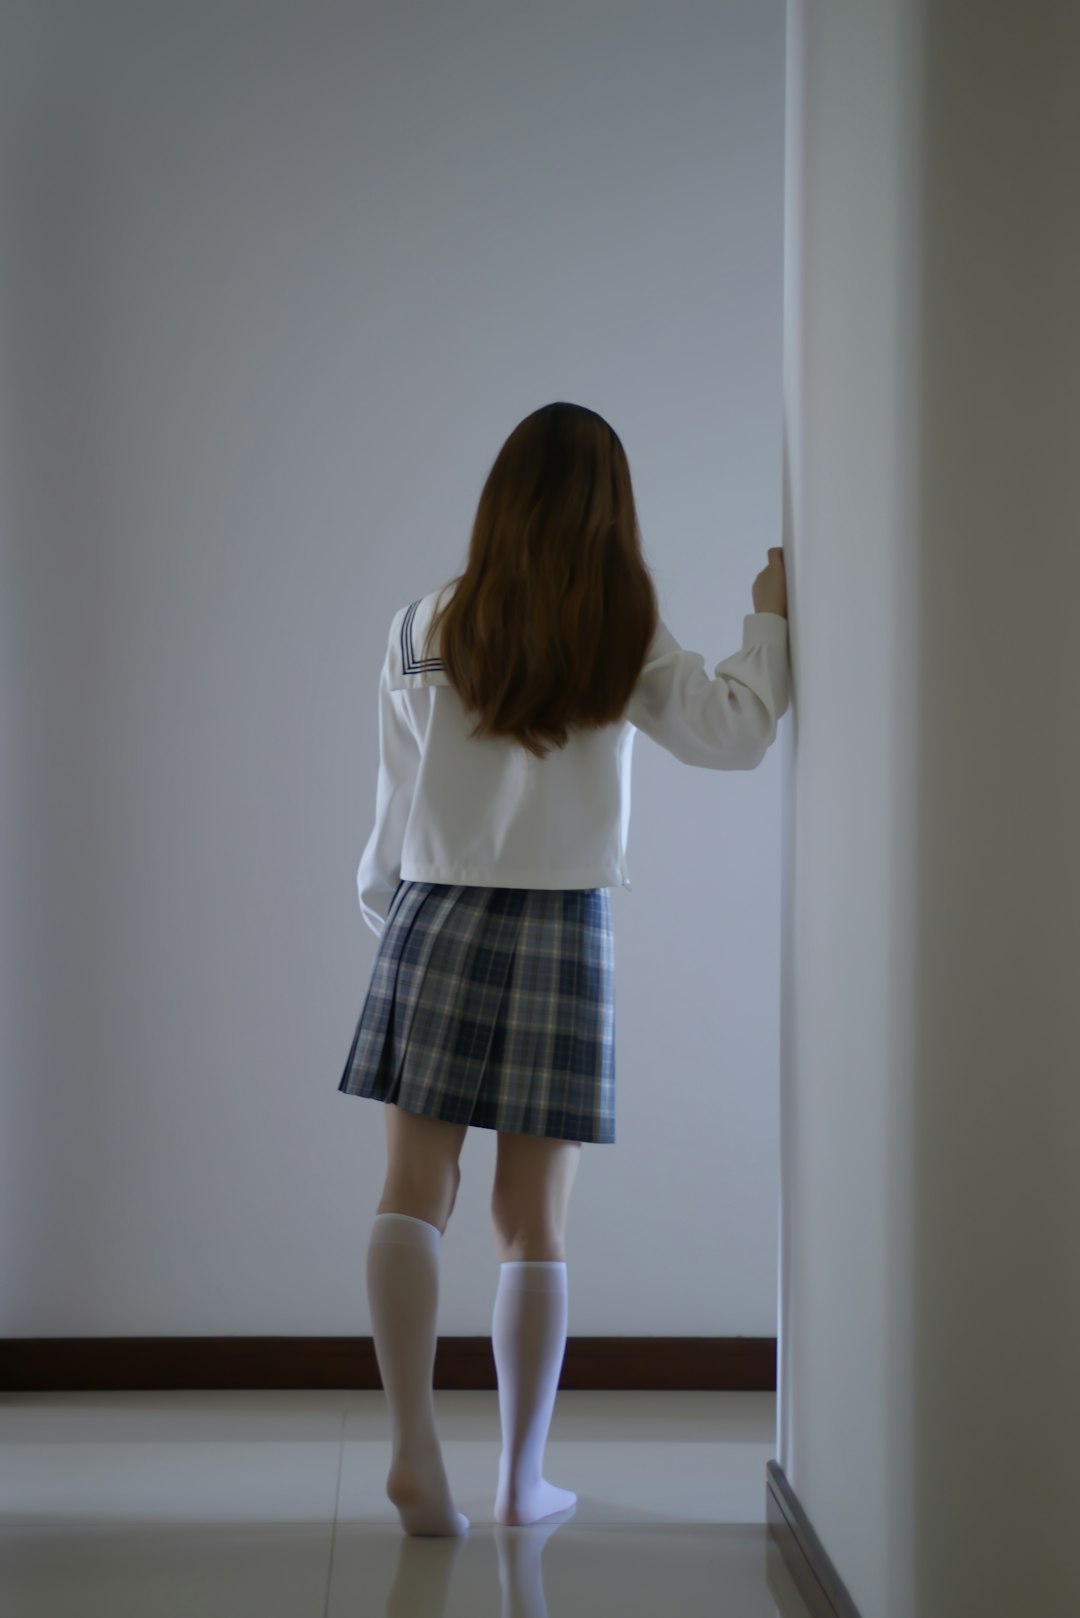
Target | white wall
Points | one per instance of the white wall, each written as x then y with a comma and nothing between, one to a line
277,283
930,1104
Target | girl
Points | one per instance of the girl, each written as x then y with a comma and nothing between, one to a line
507,716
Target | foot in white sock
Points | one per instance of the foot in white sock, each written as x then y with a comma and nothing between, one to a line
528,1335
403,1292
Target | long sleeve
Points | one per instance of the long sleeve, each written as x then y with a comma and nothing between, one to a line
399,758
727,722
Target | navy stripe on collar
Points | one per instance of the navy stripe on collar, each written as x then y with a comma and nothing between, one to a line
410,663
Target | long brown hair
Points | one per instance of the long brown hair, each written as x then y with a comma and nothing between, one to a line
549,624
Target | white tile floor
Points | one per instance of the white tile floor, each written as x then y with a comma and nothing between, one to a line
272,1503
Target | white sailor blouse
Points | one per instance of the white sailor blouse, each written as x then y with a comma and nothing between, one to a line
485,812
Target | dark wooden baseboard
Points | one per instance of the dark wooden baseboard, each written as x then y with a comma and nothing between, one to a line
805,1557
64,1364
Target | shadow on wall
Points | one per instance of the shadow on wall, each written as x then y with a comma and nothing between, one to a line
995,819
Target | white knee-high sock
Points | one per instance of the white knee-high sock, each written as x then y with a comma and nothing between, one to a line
528,1335
403,1293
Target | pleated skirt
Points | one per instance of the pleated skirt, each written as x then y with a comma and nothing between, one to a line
493,1007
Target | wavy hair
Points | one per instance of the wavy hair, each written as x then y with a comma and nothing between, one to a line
549,625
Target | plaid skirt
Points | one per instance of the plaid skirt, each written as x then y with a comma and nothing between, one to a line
493,1007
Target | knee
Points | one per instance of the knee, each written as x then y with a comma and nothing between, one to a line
450,1192
524,1233
525,1245
422,1194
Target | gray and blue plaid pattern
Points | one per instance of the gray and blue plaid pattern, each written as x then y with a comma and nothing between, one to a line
493,1007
